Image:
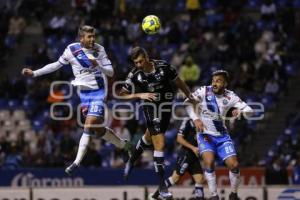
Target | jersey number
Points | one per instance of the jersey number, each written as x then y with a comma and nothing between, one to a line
94,108
229,149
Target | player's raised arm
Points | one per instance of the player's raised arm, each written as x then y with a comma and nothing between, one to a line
172,74
185,89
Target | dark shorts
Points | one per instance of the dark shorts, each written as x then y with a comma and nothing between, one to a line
188,161
157,118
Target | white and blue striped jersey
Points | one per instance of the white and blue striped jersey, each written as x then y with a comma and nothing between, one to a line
214,108
87,77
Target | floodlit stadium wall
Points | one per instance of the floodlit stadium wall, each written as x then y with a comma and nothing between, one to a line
140,193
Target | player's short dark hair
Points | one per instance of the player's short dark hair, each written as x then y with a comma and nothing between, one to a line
223,73
137,51
85,29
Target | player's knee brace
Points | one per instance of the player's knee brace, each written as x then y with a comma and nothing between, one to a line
235,170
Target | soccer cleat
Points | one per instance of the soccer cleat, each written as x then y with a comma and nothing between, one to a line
127,151
153,196
233,196
128,169
165,195
69,170
214,198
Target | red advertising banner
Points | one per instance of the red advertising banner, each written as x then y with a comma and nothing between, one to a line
252,176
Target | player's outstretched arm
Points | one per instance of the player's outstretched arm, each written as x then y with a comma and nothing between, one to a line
27,72
185,89
123,94
44,70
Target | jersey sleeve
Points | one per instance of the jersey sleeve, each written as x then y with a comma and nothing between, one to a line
199,93
183,127
64,58
105,63
237,102
103,58
171,73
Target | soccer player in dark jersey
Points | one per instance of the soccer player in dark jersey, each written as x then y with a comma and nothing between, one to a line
188,160
153,81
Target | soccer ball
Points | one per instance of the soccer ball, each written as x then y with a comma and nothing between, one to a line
151,24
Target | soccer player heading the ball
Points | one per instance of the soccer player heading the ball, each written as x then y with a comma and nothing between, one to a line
91,67
152,81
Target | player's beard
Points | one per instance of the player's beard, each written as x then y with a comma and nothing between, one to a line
219,91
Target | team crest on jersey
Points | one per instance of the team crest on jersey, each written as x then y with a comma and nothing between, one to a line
158,77
225,101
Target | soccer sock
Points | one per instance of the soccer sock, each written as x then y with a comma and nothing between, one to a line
82,148
199,190
169,182
140,147
159,168
111,137
210,176
234,176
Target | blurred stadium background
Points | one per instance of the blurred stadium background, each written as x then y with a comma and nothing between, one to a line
257,41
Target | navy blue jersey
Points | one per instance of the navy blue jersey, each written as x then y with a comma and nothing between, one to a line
188,131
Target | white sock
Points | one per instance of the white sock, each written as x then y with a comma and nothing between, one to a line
211,182
111,137
234,181
82,148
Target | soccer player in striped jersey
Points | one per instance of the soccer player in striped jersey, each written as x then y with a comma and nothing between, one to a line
91,67
213,139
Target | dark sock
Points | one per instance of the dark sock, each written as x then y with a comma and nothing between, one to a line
139,149
168,183
159,169
199,191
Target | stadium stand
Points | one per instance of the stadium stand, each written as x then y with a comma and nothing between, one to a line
256,41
